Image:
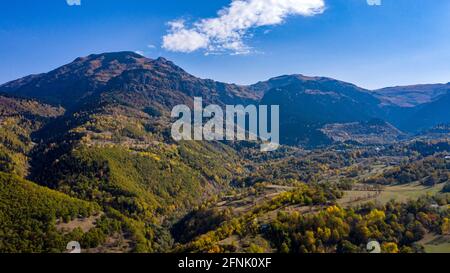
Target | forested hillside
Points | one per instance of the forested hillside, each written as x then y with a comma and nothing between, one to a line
29,214
86,154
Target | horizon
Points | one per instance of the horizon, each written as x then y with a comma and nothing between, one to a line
250,84
372,45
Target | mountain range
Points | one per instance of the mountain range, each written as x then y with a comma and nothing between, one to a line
412,95
307,103
91,140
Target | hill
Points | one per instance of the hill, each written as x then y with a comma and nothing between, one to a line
29,213
429,115
97,131
368,133
309,103
413,95
124,76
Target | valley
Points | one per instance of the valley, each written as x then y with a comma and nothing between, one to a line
91,141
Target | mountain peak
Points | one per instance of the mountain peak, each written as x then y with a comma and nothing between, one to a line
165,62
162,60
71,82
122,56
305,82
156,80
116,55
412,95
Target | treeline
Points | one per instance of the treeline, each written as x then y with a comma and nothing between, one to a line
249,224
119,158
28,216
15,143
308,168
427,148
328,228
429,171
397,227
145,186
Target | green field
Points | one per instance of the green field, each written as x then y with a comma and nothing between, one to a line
402,193
399,193
436,243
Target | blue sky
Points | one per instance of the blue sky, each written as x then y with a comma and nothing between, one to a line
399,42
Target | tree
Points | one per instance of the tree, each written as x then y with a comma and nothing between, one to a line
284,248
347,247
446,188
361,233
445,228
431,181
389,248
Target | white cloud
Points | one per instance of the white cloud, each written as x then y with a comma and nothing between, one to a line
73,2
182,39
226,32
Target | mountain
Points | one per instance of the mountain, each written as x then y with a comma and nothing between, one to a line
126,76
416,108
309,103
412,95
86,155
428,115
155,86
106,139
